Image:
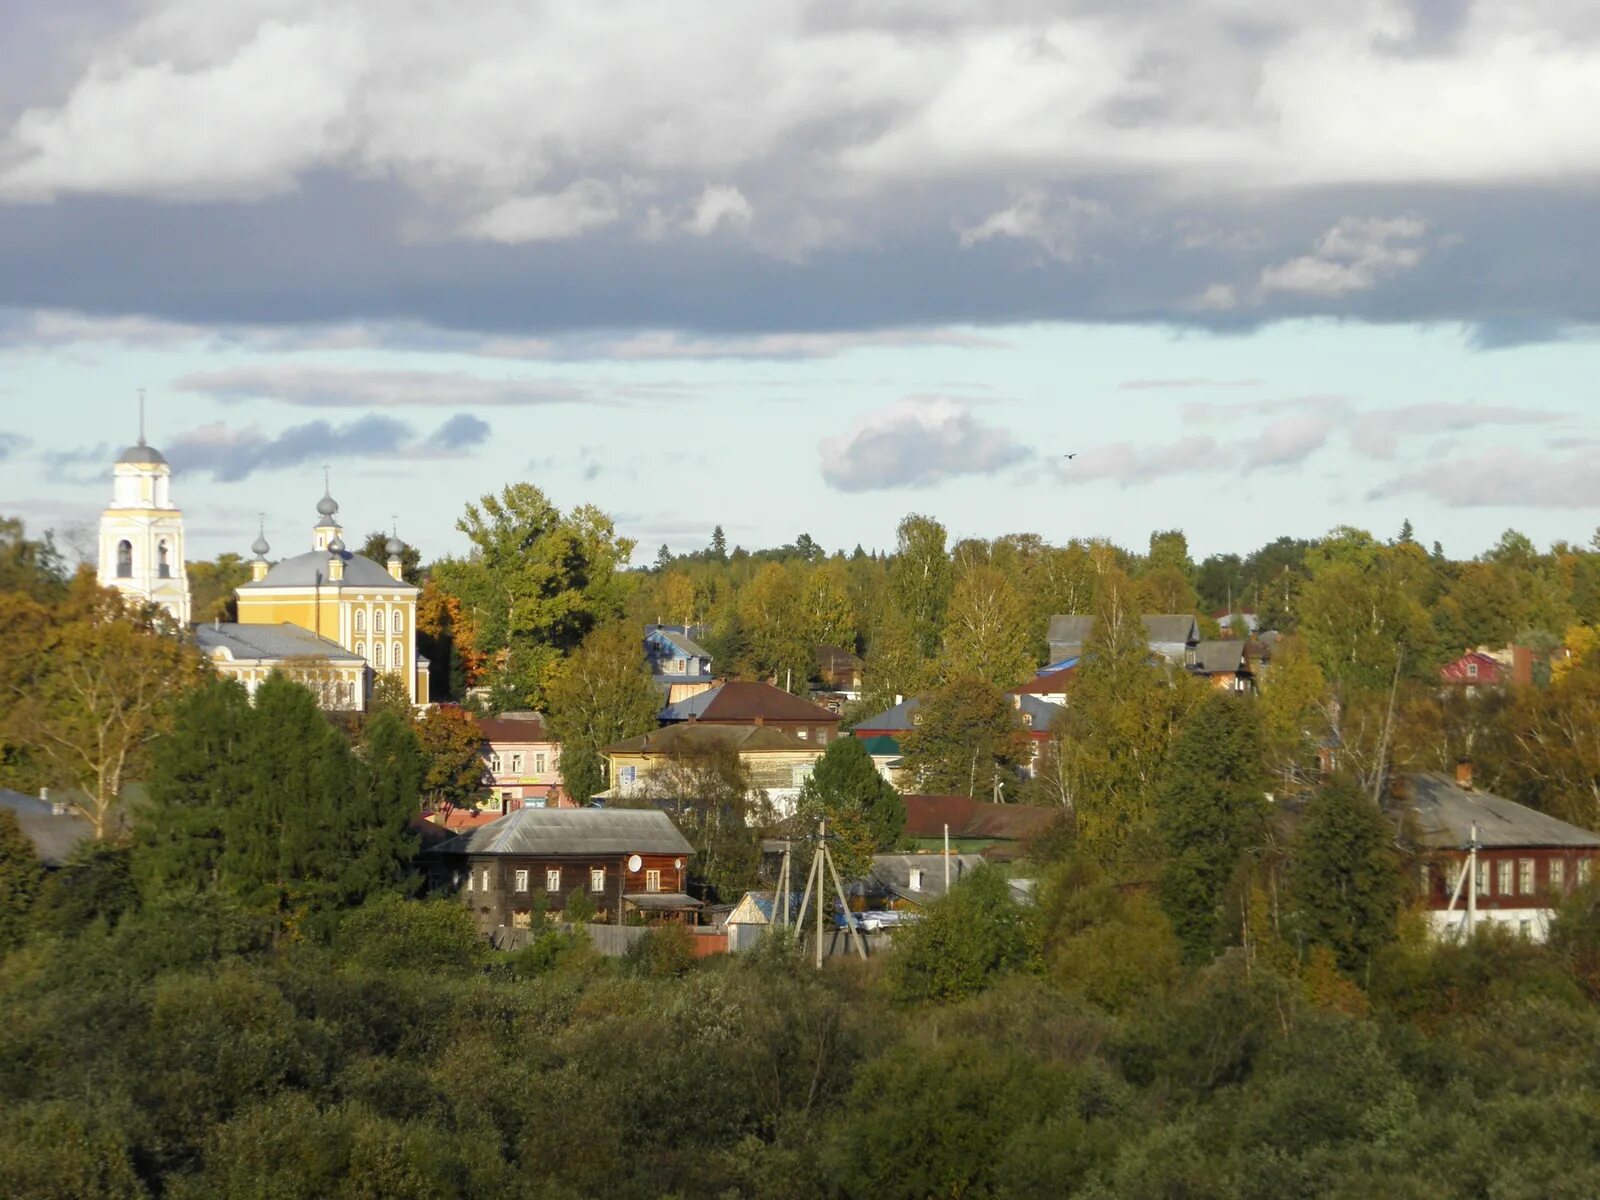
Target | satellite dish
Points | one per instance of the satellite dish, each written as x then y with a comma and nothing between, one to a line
677,864
635,862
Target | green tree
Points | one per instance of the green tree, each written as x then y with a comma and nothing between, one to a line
379,845
920,579
987,631
707,792
1343,878
773,621
452,750
212,586
718,550
965,941
376,547
390,694
1210,810
826,606
21,876
535,584
894,665
1293,701
970,740
30,566
602,695
863,811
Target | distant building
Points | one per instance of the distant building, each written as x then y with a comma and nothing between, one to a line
141,533
1526,861
1227,664
1036,716
522,760
996,831
757,704
679,665
1170,635
778,761
838,670
1482,668
625,860
55,828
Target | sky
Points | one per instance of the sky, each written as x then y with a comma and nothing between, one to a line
803,266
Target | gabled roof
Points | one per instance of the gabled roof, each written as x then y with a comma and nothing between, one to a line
542,831
837,658
891,720
926,817
902,716
311,569
1069,631
1049,683
746,739
54,835
891,873
1222,656
685,645
510,727
740,700
281,641
1445,813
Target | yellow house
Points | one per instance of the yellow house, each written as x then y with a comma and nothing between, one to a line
333,618
778,761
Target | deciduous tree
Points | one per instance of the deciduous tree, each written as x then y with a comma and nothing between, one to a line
452,751
987,633
920,579
970,740
1343,879
602,695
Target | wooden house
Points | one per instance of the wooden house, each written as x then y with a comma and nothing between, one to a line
777,760
679,665
748,704
625,860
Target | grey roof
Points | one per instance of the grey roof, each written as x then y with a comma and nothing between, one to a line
892,720
542,831
1219,656
269,641
682,641
1042,711
1445,813
142,455
54,835
311,568
1069,629
891,873
1073,630
662,901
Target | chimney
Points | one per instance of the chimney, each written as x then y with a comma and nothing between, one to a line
1464,774
1521,666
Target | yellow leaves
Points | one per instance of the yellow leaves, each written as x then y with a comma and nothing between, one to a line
1581,642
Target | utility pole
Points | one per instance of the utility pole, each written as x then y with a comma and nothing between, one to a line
947,858
1472,881
821,864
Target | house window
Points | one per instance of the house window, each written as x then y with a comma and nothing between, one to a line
377,654
399,623
377,621
1503,882
1558,874
1483,878
1472,670
802,772
1583,872
678,666
522,918
124,559
522,881
597,879
805,733
469,880
399,659
164,560
914,883
486,879
516,764
1027,719
552,879
494,763
1525,876
652,880
361,621
539,767
626,776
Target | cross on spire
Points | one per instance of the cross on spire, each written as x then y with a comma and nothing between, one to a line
141,416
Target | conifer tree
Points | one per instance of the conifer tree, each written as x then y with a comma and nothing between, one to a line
21,875
375,819
860,805
1344,875
1209,810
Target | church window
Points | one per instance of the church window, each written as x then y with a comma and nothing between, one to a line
164,560
361,622
399,622
361,649
124,559
399,659
377,654
377,621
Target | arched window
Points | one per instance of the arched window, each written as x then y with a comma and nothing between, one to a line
361,621
164,559
361,649
377,621
124,559
377,654
399,623
399,659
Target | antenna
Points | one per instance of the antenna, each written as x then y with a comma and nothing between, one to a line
141,416
326,487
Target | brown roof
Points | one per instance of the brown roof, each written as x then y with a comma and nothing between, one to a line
926,817
1049,683
743,700
837,658
746,739
514,729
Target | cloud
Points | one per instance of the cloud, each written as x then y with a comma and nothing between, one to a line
233,454
1143,385
719,204
1353,256
10,443
1378,433
1054,223
1286,442
917,442
353,387
1502,477
582,206
460,431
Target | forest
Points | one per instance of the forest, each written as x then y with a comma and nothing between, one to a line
1222,985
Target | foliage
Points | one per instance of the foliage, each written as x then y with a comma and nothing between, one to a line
602,695
1343,879
707,792
664,952
965,940
21,875
212,586
376,547
452,751
390,694
920,580
971,741
389,933
846,781
987,633
1210,812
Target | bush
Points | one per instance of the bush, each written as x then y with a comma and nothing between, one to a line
965,941
664,951
390,933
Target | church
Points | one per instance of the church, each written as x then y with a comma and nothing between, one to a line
332,619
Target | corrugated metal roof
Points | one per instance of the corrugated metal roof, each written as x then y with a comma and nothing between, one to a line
54,835
1068,632
311,569
514,729
892,720
540,831
1445,813
892,873
269,641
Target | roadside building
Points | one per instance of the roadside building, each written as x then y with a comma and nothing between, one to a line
522,761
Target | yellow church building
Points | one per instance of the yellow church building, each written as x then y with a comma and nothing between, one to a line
330,618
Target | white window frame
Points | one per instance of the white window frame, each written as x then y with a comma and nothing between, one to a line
1558,875
1504,878
652,879
361,621
597,879
539,763
1584,872
1483,877
521,880
914,880
377,621
1527,876
516,764
486,879
1472,670
397,622
552,879
494,763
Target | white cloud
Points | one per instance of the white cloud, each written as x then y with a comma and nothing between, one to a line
1055,223
351,387
719,204
1503,477
581,206
917,442
1353,256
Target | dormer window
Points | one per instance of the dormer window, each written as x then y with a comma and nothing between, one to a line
915,882
1472,670
916,718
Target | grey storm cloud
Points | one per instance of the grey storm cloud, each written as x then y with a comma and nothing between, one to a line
232,454
917,442
352,387
1140,162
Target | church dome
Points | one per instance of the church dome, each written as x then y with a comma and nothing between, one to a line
336,544
327,506
141,455
259,547
395,547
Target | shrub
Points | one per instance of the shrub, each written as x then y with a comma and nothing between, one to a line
390,933
664,951
965,941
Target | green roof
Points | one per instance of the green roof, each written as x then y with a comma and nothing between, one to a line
881,745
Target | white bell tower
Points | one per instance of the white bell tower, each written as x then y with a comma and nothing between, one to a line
141,534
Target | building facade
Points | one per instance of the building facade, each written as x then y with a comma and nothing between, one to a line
141,533
522,761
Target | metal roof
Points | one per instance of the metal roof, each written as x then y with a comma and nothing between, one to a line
1444,814
892,873
746,739
141,455
545,831
745,700
662,901
682,641
311,570
1069,631
269,642
892,720
54,835
1222,656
